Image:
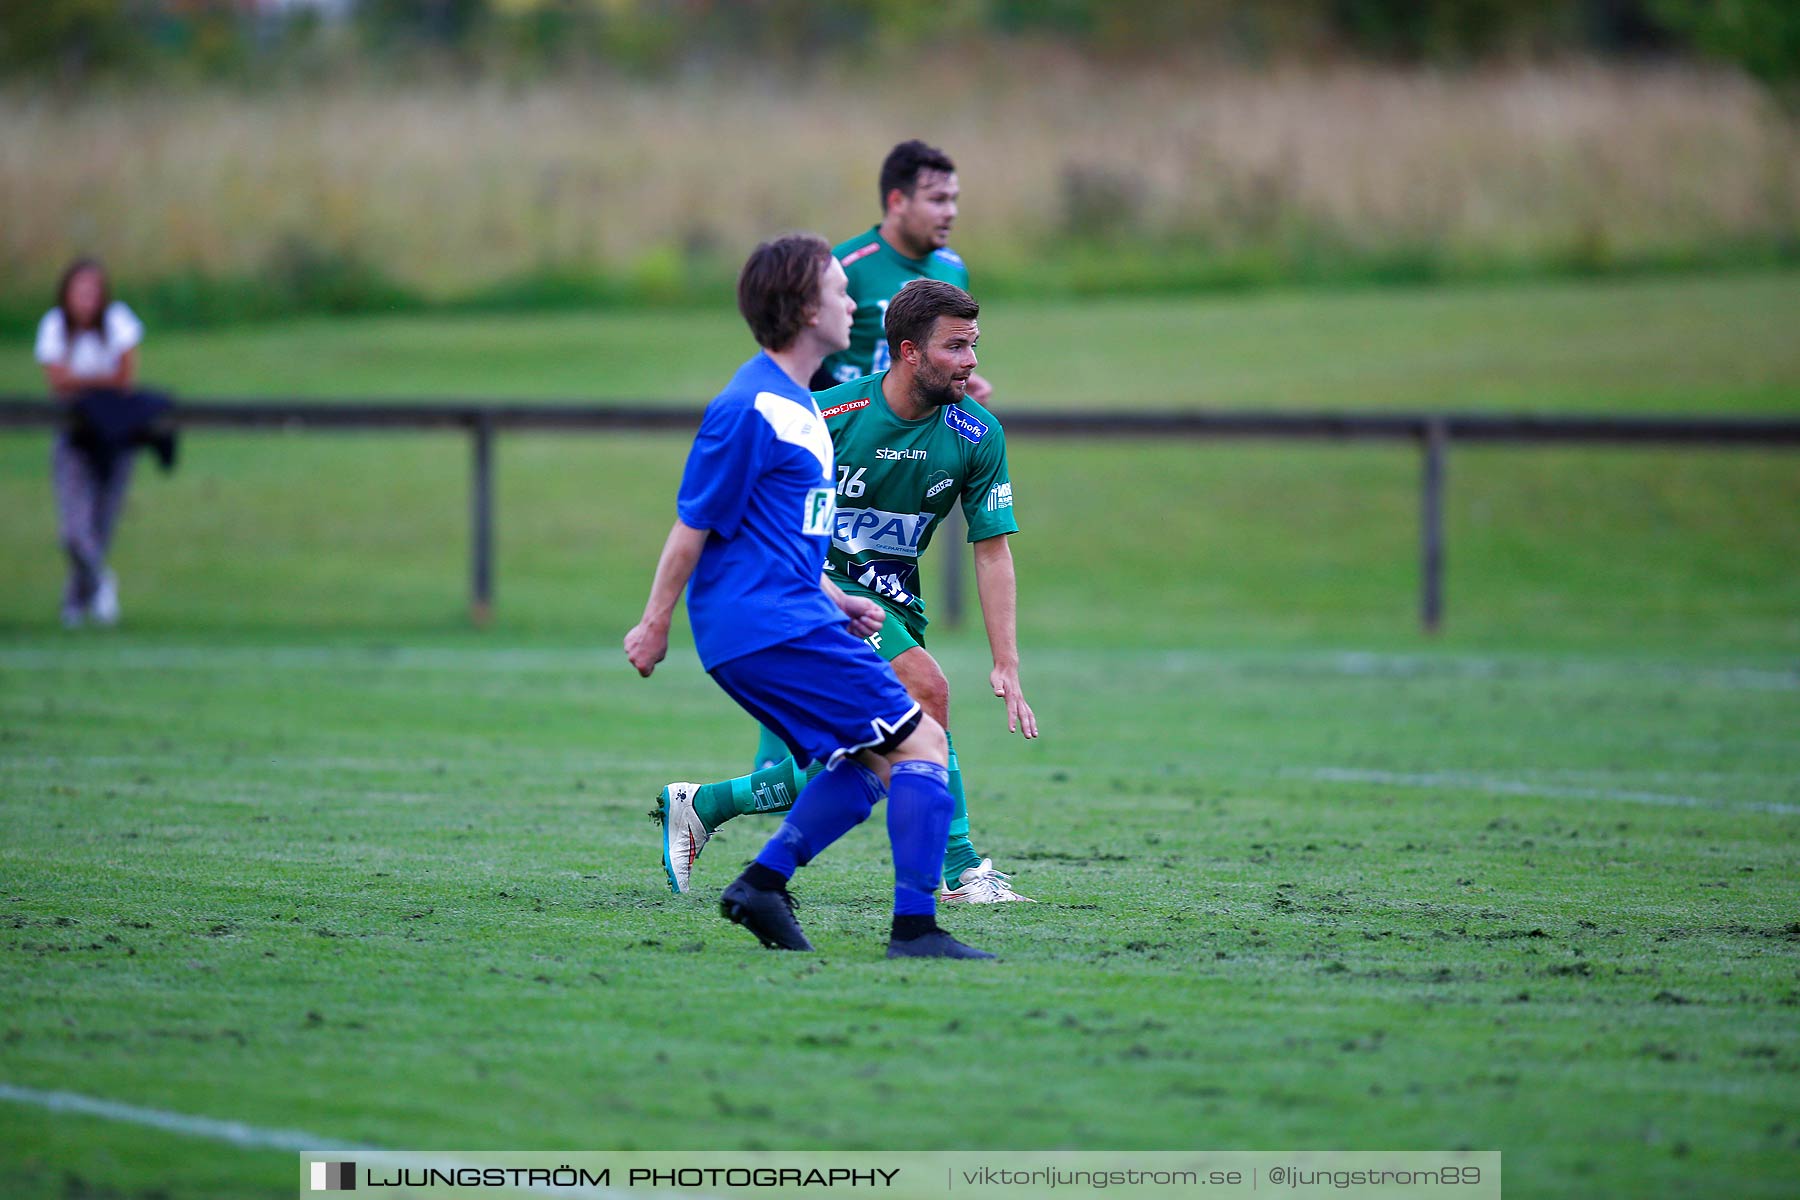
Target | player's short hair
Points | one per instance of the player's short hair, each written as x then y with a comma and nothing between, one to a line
901,168
916,307
778,288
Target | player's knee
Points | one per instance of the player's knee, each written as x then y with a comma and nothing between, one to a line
926,742
936,701
932,691
872,787
925,682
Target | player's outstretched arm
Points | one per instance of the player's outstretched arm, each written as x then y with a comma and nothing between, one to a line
648,640
998,586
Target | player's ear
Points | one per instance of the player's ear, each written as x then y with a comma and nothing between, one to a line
894,195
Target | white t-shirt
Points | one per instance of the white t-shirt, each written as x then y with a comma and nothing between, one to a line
88,356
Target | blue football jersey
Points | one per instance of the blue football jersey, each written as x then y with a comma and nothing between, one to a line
759,477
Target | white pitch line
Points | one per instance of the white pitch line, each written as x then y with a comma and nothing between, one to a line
235,1132
251,1137
1517,787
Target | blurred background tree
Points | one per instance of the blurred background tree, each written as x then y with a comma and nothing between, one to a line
76,39
1762,36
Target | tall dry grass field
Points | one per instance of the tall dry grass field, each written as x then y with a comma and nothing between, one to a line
449,188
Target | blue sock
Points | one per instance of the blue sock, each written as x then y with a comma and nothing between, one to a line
833,804
918,817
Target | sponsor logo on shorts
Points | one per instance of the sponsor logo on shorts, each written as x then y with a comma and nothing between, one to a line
999,496
966,426
875,530
838,410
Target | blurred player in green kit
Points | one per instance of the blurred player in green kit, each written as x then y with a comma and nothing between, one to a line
911,445
919,192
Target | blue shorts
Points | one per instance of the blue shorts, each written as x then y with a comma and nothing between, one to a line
825,695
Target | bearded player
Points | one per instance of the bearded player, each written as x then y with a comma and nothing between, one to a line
910,446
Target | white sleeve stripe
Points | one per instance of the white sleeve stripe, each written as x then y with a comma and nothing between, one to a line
796,425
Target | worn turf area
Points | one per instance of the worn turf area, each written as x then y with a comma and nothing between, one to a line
407,895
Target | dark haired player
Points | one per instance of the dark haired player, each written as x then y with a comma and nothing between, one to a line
910,448
919,192
754,518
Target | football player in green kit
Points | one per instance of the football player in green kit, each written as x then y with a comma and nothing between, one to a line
919,192
910,447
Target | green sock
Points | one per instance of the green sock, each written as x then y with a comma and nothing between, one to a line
959,851
771,789
769,749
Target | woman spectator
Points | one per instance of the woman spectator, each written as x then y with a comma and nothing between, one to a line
87,346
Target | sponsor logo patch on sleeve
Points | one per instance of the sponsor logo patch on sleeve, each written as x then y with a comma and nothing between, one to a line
837,410
864,252
965,425
821,512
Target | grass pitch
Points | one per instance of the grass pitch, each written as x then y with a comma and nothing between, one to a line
296,848
1697,344
407,895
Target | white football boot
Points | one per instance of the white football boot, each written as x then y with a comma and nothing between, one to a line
982,885
684,835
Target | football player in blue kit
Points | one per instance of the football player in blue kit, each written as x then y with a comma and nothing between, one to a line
754,518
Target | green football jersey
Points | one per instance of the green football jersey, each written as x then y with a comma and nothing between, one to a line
876,271
897,481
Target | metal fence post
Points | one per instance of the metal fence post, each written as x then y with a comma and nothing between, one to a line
1436,442
481,505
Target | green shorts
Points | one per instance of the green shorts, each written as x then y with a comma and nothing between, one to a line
895,637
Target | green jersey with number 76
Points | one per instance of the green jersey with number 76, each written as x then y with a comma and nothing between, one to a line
897,481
